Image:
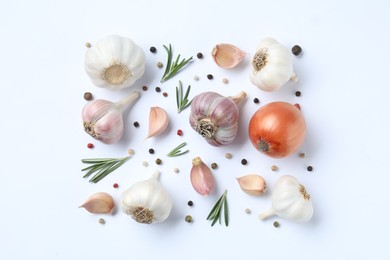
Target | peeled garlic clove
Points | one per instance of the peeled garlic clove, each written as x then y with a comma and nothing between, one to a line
158,121
202,179
252,184
99,203
227,55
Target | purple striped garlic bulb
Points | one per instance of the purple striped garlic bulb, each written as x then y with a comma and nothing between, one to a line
103,120
215,117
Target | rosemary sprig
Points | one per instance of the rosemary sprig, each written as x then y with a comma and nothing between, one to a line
173,68
176,151
102,167
216,212
182,102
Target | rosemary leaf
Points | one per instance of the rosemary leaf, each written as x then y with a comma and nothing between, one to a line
215,213
176,151
102,167
182,102
173,68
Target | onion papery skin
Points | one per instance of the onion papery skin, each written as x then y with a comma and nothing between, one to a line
277,129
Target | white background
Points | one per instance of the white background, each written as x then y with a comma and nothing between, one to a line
345,99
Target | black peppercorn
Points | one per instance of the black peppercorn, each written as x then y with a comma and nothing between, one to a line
158,161
158,89
296,50
209,76
309,168
151,151
244,161
276,224
214,166
298,93
136,124
165,94
190,203
88,96
256,100
144,88
153,49
199,55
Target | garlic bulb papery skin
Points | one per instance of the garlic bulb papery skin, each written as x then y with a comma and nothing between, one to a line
215,117
103,120
147,201
271,66
290,200
115,62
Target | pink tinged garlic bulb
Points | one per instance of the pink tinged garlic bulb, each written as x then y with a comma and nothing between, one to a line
103,119
215,117
115,62
202,179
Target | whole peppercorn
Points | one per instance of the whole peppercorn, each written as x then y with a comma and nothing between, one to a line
144,88
165,94
209,76
90,146
158,161
88,96
276,224
190,203
199,55
158,89
309,168
214,166
298,93
151,151
256,100
244,162
115,185
188,218
153,49
136,124
159,65
296,50
102,221
179,132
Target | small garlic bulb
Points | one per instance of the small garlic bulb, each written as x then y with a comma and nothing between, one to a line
290,200
147,201
103,119
215,117
115,62
271,66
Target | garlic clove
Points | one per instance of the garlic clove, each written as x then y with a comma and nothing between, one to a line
99,203
252,184
202,179
158,121
227,55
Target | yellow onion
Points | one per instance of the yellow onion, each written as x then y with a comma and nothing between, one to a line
277,129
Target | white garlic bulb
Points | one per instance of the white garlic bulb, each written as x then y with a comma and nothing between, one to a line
271,66
147,201
290,200
115,62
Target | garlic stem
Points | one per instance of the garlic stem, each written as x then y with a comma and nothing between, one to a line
294,77
122,104
155,175
239,97
267,214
